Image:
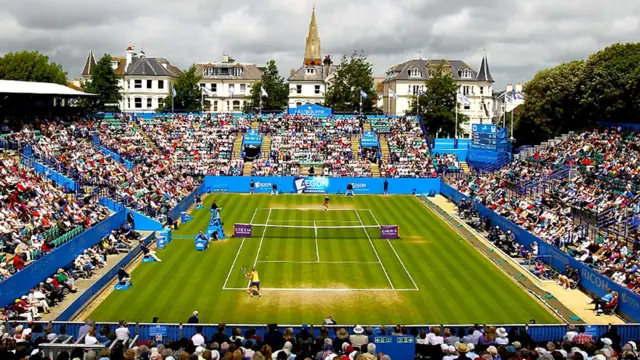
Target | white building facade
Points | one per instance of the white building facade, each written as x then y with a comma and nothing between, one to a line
228,83
407,79
144,82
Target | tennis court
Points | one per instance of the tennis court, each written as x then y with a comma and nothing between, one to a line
313,263
313,243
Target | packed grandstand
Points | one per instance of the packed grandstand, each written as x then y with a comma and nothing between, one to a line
553,192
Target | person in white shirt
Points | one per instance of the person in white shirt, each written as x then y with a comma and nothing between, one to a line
198,339
90,338
122,332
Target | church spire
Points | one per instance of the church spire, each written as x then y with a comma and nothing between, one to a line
312,46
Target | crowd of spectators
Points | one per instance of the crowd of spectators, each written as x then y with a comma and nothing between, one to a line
298,142
409,154
34,211
476,342
606,163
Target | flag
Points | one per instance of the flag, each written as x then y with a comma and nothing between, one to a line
363,94
420,92
206,92
486,111
232,90
508,98
518,96
392,94
173,90
263,92
464,100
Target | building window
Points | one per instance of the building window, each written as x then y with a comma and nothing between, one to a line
128,102
243,88
481,90
317,89
466,90
310,71
128,84
467,107
160,84
114,65
137,84
137,103
415,73
232,88
228,105
214,87
215,105
149,103
236,105
298,89
466,74
160,102
298,104
149,84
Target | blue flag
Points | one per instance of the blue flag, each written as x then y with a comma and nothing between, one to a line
363,94
174,91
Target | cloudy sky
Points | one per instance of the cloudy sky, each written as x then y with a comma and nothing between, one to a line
520,37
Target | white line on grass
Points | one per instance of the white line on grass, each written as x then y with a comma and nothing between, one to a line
394,251
308,209
224,286
316,262
274,222
260,246
374,249
321,289
317,251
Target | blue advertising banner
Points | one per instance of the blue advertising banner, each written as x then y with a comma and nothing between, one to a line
590,280
309,109
254,140
318,185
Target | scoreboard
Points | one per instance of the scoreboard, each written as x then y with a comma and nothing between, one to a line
484,137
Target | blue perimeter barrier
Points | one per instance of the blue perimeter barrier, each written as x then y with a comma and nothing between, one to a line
94,289
173,332
116,157
318,185
590,280
63,181
21,282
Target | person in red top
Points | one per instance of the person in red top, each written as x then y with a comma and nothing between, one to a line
581,338
18,263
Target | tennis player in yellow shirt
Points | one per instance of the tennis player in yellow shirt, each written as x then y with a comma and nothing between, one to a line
255,281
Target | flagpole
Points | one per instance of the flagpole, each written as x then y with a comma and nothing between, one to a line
511,123
418,104
360,102
456,102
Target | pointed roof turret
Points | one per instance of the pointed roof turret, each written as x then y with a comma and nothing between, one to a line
312,46
89,64
483,73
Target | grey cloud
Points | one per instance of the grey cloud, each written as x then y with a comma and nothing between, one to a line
519,37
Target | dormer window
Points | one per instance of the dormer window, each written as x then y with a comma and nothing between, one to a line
466,74
114,65
311,71
415,73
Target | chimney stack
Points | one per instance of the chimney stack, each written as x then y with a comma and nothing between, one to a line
509,87
518,87
129,56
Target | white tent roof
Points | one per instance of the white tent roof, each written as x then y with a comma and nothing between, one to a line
39,88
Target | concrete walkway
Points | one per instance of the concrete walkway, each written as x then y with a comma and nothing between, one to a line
566,302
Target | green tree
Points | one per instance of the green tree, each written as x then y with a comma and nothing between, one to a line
609,90
437,104
31,66
353,75
104,83
188,93
551,104
277,90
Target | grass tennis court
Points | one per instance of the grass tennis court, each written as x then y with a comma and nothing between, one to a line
314,262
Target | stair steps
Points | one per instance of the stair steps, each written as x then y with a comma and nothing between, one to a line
384,147
367,126
237,148
465,167
247,169
355,147
266,147
375,170
255,125
148,139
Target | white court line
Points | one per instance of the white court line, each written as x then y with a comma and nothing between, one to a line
322,289
224,286
316,262
374,249
308,209
317,250
394,251
260,246
374,217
